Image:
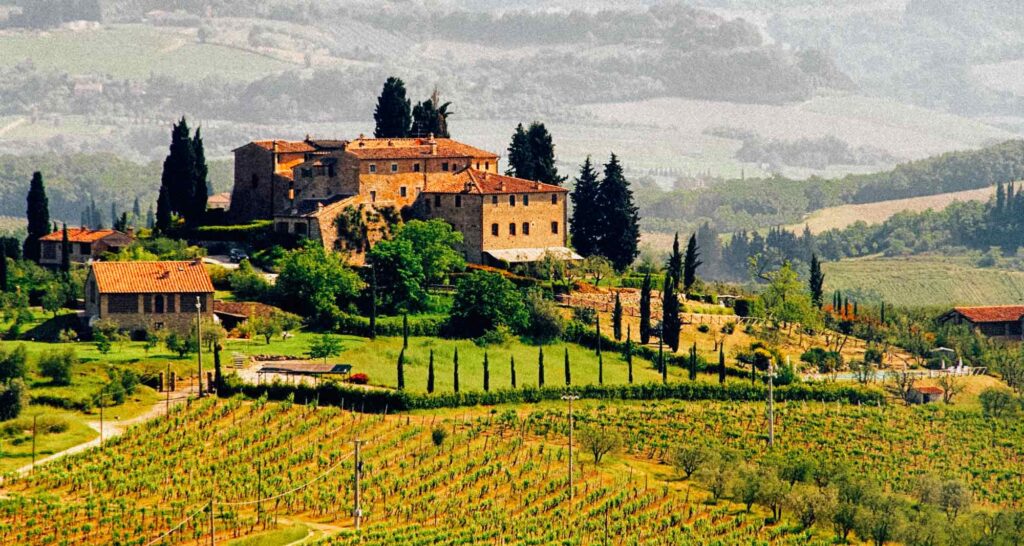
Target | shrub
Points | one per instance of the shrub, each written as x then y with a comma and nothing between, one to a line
728,328
584,315
57,365
45,424
219,276
358,379
420,326
13,363
438,435
703,328
12,399
501,335
546,322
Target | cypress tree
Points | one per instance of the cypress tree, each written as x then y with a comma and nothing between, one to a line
568,373
693,362
38,214
83,219
179,173
455,379
65,251
512,369
674,268
540,366
520,158
645,310
620,221
113,215
487,373
150,218
629,352
617,318
163,211
393,112
881,314
584,226
401,369
136,212
97,216
670,315
200,183
816,281
430,373
661,359
600,357
691,263
405,331
218,374
721,364
542,150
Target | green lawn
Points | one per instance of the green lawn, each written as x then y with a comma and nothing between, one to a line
16,439
278,537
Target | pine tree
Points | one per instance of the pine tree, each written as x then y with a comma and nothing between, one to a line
670,323
617,318
393,112
430,373
629,352
65,251
542,149
455,372
645,310
691,263
512,369
816,281
721,364
674,268
38,214
430,117
401,369
487,373
620,221
520,158
584,225
693,362
540,366
200,183
568,373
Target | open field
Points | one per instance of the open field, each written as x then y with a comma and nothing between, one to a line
133,51
923,281
498,474
875,213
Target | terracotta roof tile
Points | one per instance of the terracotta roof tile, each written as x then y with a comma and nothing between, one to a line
929,390
411,148
285,146
81,235
481,182
151,277
995,313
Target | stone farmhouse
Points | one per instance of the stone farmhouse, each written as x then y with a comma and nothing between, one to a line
996,321
344,194
85,245
148,295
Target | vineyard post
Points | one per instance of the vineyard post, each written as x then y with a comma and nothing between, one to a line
199,341
358,512
259,490
167,387
570,397
34,417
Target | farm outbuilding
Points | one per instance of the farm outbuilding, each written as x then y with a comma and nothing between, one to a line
925,395
999,321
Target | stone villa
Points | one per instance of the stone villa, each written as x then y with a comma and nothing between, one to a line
148,295
345,193
84,245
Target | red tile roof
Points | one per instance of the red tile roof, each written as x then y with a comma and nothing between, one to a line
481,182
413,148
995,313
81,235
285,146
929,390
151,277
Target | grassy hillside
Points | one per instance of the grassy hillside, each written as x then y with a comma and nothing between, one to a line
924,281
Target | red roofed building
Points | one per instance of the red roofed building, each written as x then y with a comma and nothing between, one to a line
85,245
148,295
1002,321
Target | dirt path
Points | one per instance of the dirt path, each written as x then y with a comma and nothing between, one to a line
11,126
112,429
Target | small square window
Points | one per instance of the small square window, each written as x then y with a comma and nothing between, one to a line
444,166
416,168
373,167
512,200
494,199
402,191
554,198
458,200
437,201
554,227
526,228
512,228
526,200
494,229
394,167
373,196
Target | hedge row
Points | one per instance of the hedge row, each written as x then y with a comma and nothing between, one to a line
376,400
426,326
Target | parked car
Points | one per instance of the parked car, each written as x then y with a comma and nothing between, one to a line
237,255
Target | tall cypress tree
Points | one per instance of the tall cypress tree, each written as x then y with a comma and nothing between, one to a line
65,251
179,173
96,217
568,372
487,373
670,315
136,212
645,310
620,220
520,156
512,369
691,263
617,318
584,224
629,352
163,211
200,183
430,373
38,214
393,114
455,372
693,362
721,363
816,282
113,215
540,366
150,218
674,268
401,369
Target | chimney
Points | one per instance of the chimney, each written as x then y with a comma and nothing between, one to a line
433,144
537,185
129,231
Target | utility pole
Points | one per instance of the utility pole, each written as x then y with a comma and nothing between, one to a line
570,397
199,339
358,470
